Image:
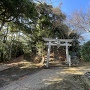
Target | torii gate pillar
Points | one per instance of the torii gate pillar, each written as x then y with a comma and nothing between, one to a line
48,55
67,53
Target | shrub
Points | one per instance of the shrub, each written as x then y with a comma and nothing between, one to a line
75,48
10,51
85,51
3,52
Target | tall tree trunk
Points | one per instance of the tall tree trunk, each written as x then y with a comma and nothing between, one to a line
10,52
2,24
2,56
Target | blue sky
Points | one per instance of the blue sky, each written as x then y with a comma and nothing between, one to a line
68,6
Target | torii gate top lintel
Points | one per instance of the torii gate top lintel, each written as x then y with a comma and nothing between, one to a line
62,40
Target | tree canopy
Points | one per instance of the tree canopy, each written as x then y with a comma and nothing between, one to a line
16,11
24,23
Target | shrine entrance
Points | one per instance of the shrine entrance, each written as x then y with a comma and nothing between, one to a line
58,42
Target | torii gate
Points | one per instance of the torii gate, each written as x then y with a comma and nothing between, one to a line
58,43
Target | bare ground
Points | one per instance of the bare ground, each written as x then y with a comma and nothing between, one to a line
28,76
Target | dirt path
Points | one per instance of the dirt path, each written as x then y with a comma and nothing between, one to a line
34,81
46,78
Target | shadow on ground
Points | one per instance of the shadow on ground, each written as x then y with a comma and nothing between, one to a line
15,73
72,82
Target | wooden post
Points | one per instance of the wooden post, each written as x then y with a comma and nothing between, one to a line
67,55
69,60
48,54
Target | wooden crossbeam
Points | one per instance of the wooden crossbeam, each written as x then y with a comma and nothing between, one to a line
62,40
53,44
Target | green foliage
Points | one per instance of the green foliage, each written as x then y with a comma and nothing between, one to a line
10,50
26,23
28,48
3,52
15,16
75,43
14,8
17,11
17,49
85,51
61,31
40,48
73,35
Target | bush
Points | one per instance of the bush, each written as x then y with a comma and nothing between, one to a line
85,51
75,48
3,52
10,51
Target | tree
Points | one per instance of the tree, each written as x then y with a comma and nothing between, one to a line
85,51
26,29
59,27
16,11
79,21
15,16
75,43
49,22
14,42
